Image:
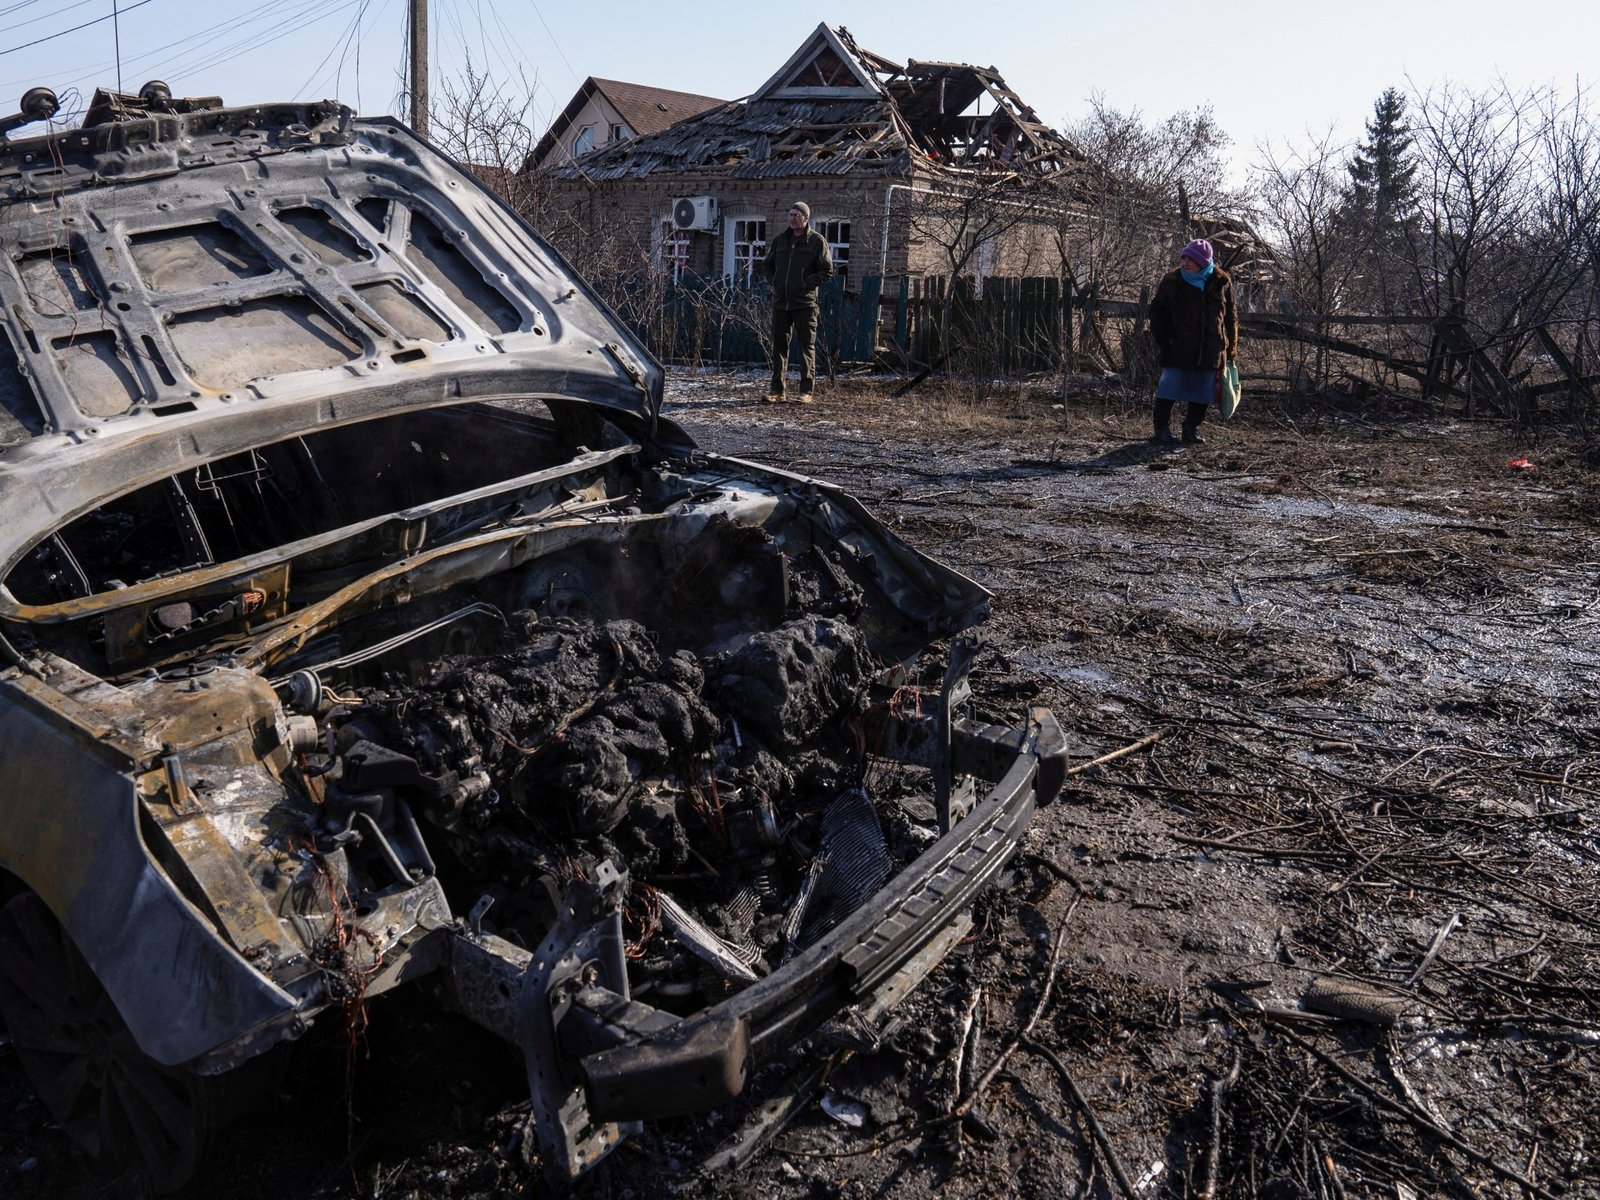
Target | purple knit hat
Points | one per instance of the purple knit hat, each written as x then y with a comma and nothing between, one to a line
1198,251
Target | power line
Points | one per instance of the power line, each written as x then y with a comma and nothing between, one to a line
248,26
91,71
355,43
18,7
532,87
247,46
46,17
203,57
553,41
349,32
63,33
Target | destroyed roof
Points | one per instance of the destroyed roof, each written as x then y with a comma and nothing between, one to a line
645,110
1243,252
836,109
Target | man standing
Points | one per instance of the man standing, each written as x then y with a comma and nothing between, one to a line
796,264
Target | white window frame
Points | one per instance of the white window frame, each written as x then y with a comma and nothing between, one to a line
583,141
669,248
838,251
618,133
986,257
737,264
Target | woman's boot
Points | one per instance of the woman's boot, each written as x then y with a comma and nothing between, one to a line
1163,421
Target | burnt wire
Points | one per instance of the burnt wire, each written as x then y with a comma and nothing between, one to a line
647,918
346,984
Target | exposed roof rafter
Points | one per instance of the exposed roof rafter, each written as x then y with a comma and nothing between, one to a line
823,68
836,109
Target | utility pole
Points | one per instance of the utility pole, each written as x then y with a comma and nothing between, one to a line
419,67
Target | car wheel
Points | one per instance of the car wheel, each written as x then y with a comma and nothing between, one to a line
121,1107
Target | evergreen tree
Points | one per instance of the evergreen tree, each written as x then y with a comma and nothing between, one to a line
1383,192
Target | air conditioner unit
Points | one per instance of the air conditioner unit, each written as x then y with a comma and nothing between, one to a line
695,212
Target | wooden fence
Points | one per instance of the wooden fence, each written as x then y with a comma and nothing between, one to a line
1009,326
1001,326
725,323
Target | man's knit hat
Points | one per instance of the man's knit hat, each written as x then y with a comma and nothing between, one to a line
1198,251
803,207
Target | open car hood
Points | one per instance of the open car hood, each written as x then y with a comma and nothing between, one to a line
191,283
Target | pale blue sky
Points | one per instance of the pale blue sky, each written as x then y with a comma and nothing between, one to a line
1268,69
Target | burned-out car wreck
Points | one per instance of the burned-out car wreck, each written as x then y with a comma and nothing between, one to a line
365,625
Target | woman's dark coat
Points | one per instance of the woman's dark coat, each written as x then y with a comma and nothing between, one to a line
1195,329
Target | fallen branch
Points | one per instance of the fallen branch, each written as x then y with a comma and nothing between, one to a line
1100,1137
1219,1095
1150,739
1421,1120
1038,1011
959,1067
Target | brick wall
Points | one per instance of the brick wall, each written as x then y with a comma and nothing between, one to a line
608,225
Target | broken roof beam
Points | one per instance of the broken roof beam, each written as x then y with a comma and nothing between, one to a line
876,61
824,126
1003,95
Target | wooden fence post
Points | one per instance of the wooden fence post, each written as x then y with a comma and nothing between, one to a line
1068,353
901,345
1091,305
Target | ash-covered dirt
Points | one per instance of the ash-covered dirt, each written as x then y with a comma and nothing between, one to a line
1357,658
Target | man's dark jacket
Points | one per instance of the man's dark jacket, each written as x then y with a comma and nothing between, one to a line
795,267
1195,329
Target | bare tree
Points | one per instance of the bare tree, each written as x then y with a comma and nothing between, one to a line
1568,230
1121,232
982,223
1510,203
1299,191
485,125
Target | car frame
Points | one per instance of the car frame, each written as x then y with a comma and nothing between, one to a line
163,748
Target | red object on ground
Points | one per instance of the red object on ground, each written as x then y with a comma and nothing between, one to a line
1521,464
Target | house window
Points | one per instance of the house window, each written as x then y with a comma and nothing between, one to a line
618,133
669,249
584,142
744,241
986,258
836,233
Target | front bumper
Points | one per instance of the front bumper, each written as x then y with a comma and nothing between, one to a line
598,1062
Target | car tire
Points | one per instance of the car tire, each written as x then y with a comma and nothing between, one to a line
144,1124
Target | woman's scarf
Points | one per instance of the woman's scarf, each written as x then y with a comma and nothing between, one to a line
1198,278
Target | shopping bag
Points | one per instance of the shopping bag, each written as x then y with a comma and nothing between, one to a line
1228,390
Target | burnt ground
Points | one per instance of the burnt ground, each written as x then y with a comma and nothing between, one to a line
1329,929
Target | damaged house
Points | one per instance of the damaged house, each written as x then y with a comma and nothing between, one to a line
890,158
604,112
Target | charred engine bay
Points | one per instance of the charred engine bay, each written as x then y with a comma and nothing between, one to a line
1367,647
718,778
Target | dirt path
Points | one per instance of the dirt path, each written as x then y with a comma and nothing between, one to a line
1369,653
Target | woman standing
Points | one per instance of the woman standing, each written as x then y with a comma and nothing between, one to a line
1196,327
